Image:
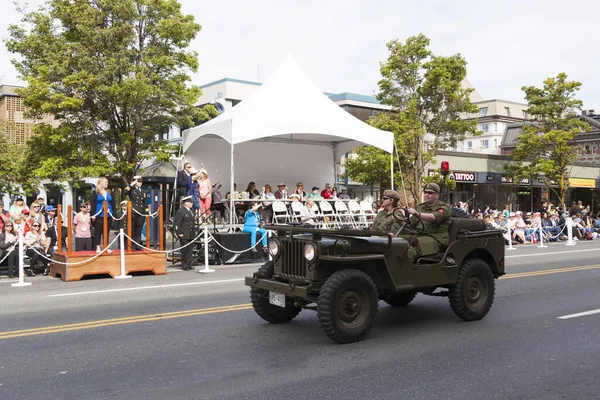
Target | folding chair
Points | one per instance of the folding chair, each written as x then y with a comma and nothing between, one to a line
365,206
343,215
280,212
357,214
296,207
327,212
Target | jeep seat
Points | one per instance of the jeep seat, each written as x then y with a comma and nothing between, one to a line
457,225
464,224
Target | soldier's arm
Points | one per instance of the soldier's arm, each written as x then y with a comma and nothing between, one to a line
438,215
177,222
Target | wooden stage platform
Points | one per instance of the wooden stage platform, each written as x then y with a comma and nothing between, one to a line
110,264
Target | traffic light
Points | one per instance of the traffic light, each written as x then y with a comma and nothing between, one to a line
445,168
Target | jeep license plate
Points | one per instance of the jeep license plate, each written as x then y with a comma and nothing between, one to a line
277,299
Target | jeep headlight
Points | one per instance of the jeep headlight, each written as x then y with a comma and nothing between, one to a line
274,247
310,252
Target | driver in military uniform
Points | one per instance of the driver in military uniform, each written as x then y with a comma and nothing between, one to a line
385,221
435,216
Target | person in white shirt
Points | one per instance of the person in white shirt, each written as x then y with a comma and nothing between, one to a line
308,212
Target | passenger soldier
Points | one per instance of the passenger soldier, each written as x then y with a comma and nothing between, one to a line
385,221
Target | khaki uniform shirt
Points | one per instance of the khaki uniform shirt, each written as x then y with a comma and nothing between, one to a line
438,229
385,222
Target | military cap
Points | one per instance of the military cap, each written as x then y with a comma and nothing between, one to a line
187,198
392,194
434,187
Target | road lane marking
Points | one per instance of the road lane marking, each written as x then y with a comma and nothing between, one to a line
212,310
549,271
552,253
511,276
146,287
581,314
121,321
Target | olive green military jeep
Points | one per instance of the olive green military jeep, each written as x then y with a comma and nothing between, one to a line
342,274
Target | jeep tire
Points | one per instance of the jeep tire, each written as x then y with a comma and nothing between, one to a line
399,299
347,305
472,295
260,301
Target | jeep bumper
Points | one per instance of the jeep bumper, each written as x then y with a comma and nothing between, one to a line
288,289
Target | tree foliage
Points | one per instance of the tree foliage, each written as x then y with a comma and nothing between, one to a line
13,168
545,147
426,96
114,73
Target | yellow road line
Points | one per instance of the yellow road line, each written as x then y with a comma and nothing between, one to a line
121,321
549,271
212,310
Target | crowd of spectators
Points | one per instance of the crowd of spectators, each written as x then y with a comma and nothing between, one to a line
519,227
37,223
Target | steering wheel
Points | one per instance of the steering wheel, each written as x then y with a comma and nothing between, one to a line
413,226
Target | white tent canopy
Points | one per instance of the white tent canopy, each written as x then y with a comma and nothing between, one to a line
288,129
291,107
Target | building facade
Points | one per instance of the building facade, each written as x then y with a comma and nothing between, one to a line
19,129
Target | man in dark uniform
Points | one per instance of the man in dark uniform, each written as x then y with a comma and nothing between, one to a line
385,221
436,217
139,206
184,230
183,180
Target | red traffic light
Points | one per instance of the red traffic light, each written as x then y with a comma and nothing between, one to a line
445,168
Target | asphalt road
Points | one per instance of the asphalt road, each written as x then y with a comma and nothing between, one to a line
193,336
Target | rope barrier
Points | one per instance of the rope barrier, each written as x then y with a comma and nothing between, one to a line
233,251
115,218
43,255
7,254
151,215
193,241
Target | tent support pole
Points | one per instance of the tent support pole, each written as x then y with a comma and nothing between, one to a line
392,170
231,203
335,176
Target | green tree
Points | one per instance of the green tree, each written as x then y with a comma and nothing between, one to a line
545,147
427,98
114,73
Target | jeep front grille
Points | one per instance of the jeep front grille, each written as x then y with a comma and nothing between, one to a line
292,262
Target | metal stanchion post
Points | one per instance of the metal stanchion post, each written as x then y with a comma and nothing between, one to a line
510,246
122,245
570,241
206,270
21,269
541,237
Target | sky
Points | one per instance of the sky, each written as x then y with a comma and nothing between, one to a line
339,44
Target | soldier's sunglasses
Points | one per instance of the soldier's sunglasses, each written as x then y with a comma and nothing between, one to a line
385,198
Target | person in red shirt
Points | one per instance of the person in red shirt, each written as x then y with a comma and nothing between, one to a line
327,193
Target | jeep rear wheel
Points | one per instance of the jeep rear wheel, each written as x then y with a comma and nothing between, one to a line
399,299
260,301
472,295
347,306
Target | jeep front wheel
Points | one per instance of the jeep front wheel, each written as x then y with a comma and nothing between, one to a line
347,306
260,301
472,295
399,299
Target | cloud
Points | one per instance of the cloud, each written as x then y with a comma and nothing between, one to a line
340,44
